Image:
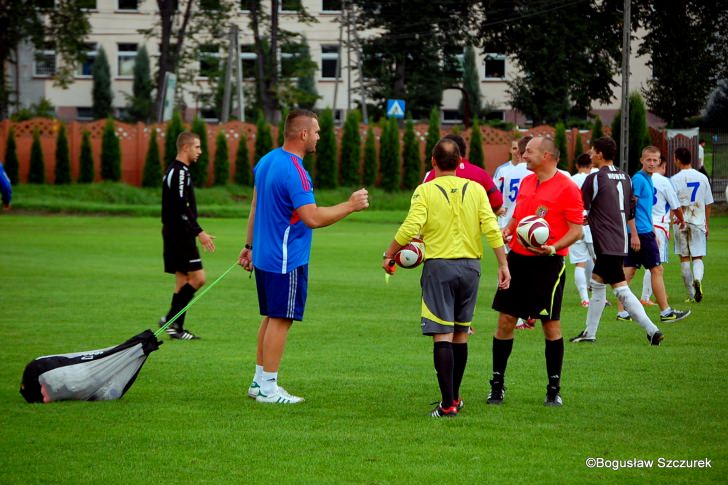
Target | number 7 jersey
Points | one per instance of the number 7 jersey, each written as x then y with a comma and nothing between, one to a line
694,193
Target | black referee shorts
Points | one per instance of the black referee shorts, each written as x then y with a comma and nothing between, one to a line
537,287
180,252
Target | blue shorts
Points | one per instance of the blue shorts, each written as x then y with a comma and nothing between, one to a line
648,255
282,295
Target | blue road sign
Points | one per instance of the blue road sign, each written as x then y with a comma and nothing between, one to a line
395,108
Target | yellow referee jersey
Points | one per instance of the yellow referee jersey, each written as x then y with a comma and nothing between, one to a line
451,213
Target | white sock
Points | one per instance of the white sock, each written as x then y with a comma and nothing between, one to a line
588,270
698,269
258,374
647,285
270,383
635,309
666,312
596,308
687,276
580,280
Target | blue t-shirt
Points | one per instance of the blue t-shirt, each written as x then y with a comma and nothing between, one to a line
644,190
281,240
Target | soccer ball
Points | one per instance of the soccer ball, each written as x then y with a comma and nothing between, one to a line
410,255
533,231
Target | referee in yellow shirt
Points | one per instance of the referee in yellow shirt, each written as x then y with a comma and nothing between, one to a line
450,213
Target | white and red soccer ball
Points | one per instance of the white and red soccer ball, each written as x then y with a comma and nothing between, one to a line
533,231
410,255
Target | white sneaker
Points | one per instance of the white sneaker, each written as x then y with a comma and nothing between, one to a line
253,390
279,397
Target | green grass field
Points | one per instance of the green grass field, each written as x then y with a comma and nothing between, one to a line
73,283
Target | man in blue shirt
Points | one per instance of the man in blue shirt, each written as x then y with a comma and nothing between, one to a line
282,216
643,250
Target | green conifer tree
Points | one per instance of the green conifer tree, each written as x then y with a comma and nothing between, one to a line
174,128
243,175
433,132
101,93
263,137
199,170
222,159
110,153
152,165
11,157
350,159
140,104
639,135
578,145
471,81
36,174
597,131
326,176
389,156
369,174
63,158
560,141
86,160
476,155
412,165
282,127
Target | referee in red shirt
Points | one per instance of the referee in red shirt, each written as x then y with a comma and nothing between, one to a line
538,275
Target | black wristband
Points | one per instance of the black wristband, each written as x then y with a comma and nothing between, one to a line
249,246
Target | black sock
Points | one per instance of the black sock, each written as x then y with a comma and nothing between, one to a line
554,359
185,295
460,358
443,355
501,352
174,308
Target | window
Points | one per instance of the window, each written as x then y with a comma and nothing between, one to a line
451,116
331,5
44,62
128,4
247,59
209,4
291,5
86,4
126,57
496,115
209,56
495,66
209,115
45,4
88,62
329,61
245,5
84,113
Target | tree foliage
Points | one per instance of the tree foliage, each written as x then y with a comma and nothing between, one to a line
66,24
140,103
716,111
243,176
199,170
63,158
282,128
222,159
11,157
152,165
350,150
471,83
110,153
101,91
86,160
389,155
370,170
174,128
555,79
433,132
411,162
686,51
578,145
326,176
263,137
477,157
36,174
560,142
639,135
597,132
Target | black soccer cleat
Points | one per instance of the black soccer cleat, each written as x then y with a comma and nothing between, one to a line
181,334
497,393
440,412
655,338
698,287
582,338
553,397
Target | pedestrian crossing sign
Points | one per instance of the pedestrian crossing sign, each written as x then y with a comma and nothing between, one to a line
395,108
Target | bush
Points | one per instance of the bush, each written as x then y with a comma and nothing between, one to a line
63,162
174,128
86,160
110,153
560,141
11,157
476,155
222,159
597,132
42,109
578,145
350,150
389,158
36,175
199,170
411,157
326,152
243,175
433,132
369,174
263,137
152,166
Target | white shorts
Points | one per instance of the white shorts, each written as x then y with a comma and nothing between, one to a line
662,237
691,242
581,252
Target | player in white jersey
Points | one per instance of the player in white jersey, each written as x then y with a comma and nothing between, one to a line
581,253
695,196
665,207
508,180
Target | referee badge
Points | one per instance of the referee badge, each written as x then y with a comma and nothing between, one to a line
541,211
